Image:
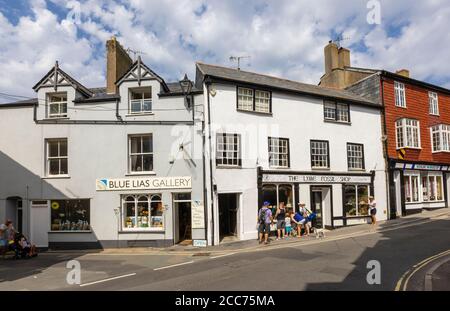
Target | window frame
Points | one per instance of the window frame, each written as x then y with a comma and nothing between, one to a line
59,157
433,100
400,94
269,139
130,171
254,90
328,154
239,150
142,100
404,129
443,134
357,201
363,162
336,111
58,115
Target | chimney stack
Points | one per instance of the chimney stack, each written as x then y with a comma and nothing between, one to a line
403,72
117,63
344,58
331,57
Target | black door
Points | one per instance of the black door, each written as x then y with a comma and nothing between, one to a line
184,221
227,215
317,208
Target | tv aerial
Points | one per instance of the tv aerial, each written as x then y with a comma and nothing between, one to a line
238,60
339,39
135,53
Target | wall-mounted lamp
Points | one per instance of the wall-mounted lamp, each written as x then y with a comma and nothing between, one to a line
186,88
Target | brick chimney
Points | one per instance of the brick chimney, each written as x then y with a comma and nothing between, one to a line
331,57
117,63
403,72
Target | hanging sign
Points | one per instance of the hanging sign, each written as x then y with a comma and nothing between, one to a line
198,215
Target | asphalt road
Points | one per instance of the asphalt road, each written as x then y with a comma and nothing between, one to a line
329,265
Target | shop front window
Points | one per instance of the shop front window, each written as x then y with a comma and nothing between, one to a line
144,211
425,188
411,188
356,200
70,215
275,194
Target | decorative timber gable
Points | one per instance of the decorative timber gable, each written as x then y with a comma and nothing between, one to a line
56,77
140,72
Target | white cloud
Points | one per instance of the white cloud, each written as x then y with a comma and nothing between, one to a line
284,38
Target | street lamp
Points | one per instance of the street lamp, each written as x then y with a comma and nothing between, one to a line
186,88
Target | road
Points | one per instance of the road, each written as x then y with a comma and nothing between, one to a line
335,264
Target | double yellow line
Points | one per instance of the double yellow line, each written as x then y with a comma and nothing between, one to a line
402,283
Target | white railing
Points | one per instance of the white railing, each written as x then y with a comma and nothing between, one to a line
140,105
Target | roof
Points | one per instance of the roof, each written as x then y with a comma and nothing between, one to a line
22,103
230,74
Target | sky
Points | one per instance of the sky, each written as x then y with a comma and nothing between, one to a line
284,38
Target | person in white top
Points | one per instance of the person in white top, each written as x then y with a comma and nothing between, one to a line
373,210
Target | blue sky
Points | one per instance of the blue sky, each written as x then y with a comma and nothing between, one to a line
284,38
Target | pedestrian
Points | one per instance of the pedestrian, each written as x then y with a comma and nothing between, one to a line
373,210
3,239
264,221
305,222
281,221
10,233
288,222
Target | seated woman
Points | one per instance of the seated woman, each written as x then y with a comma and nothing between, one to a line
27,249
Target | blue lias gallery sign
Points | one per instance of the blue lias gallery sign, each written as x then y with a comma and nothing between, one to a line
147,183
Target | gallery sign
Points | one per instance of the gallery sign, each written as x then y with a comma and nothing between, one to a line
317,179
146,183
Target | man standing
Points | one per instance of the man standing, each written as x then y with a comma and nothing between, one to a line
264,221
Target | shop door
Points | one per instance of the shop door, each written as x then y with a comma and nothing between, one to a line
184,222
317,207
228,207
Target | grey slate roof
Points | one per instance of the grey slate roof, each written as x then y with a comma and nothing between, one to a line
21,103
235,75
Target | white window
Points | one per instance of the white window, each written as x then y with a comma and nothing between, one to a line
262,101
57,105
228,150
140,151
355,156
57,159
278,152
434,103
356,200
336,112
141,100
400,96
408,133
142,212
253,100
320,154
245,99
440,138
412,188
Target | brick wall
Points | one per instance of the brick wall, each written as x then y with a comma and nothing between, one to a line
417,107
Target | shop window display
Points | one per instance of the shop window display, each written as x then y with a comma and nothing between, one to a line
143,212
356,200
70,215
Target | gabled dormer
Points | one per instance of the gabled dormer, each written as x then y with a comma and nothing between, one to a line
56,92
139,88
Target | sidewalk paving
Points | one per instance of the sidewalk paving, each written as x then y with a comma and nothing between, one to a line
239,246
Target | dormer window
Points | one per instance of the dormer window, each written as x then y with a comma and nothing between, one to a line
57,105
141,100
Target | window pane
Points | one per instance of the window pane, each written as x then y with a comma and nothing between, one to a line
136,105
407,181
53,167
439,188
70,215
269,193
147,144
53,149
425,188
136,163
182,196
285,195
136,145
245,99
415,188
350,200
130,214
142,213
148,162
63,169
157,213
63,148
363,199
432,187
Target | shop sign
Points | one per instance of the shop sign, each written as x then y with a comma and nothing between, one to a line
429,167
198,215
199,243
317,179
148,183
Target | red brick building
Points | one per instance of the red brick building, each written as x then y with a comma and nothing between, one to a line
416,123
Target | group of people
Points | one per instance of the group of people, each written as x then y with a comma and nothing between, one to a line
288,223
16,242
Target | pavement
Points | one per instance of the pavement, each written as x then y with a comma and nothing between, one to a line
340,261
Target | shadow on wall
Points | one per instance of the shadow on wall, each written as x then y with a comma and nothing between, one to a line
411,247
18,183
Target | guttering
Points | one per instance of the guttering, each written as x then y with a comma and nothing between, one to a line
112,122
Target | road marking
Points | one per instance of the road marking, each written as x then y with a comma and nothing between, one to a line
415,269
109,279
176,265
220,256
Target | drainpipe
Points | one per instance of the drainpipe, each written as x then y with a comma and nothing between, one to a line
118,116
386,152
208,84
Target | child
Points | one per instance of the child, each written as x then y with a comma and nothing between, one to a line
288,225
